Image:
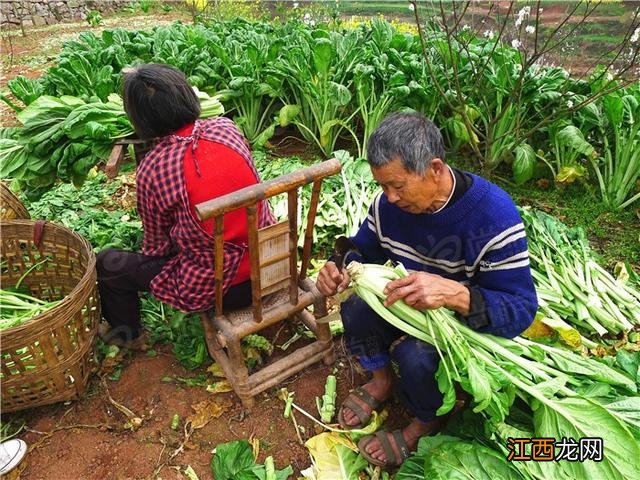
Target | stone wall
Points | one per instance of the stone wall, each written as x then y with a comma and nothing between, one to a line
46,12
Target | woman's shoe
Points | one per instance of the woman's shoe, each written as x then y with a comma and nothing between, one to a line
11,454
112,337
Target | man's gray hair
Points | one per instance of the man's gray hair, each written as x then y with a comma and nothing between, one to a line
410,137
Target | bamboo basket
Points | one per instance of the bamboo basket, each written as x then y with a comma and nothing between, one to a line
48,358
10,206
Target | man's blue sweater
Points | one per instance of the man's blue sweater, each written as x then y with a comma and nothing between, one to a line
479,241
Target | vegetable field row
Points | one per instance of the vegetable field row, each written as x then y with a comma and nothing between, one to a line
330,84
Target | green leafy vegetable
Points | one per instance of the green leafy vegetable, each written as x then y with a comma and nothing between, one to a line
443,457
234,461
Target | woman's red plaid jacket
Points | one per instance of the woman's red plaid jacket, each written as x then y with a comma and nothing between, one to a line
187,279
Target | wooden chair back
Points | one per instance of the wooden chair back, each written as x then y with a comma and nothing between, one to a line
273,250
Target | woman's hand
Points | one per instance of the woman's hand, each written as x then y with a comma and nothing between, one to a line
422,290
331,280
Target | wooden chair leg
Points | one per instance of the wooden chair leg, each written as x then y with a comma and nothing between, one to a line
230,358
115,160
329,357
323,331
210,334
241,374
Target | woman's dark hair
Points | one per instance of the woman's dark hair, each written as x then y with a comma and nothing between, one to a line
411,137
158,100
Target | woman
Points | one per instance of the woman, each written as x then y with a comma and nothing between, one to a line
193,161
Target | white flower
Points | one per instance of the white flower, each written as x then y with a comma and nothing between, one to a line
515,43
569,104
530,29
308,20
125,218
488,34
522,14
609,76
412,7
635,36
466,28
295,4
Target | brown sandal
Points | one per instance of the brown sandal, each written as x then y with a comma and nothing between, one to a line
393,460
350,403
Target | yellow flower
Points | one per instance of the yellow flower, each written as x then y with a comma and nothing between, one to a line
197,4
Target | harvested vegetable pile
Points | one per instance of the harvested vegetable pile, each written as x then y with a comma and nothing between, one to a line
18,308
559,394
571,286
17,305
66,137
61,137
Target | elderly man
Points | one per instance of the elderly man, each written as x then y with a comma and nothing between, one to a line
465,242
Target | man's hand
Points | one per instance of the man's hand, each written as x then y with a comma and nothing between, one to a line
422,290
331,280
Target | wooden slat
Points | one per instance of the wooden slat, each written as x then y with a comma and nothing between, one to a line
273,241
274,256
274,287
219,263
252,194
272,274
308,234
265,262
292,198
132,141
254,259
267,233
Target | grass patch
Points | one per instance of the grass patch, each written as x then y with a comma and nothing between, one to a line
374,8
602,39
613,235
604,9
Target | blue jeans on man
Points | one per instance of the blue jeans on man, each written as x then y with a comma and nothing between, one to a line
369,337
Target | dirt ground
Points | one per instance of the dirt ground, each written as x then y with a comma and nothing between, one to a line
87,438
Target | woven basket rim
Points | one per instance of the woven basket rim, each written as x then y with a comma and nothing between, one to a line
88,276
13,202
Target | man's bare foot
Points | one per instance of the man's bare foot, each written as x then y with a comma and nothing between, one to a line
411,434
378,388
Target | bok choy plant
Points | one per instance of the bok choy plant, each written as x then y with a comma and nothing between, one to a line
64,138
380,84
618,170
317,71
252,85
498,74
